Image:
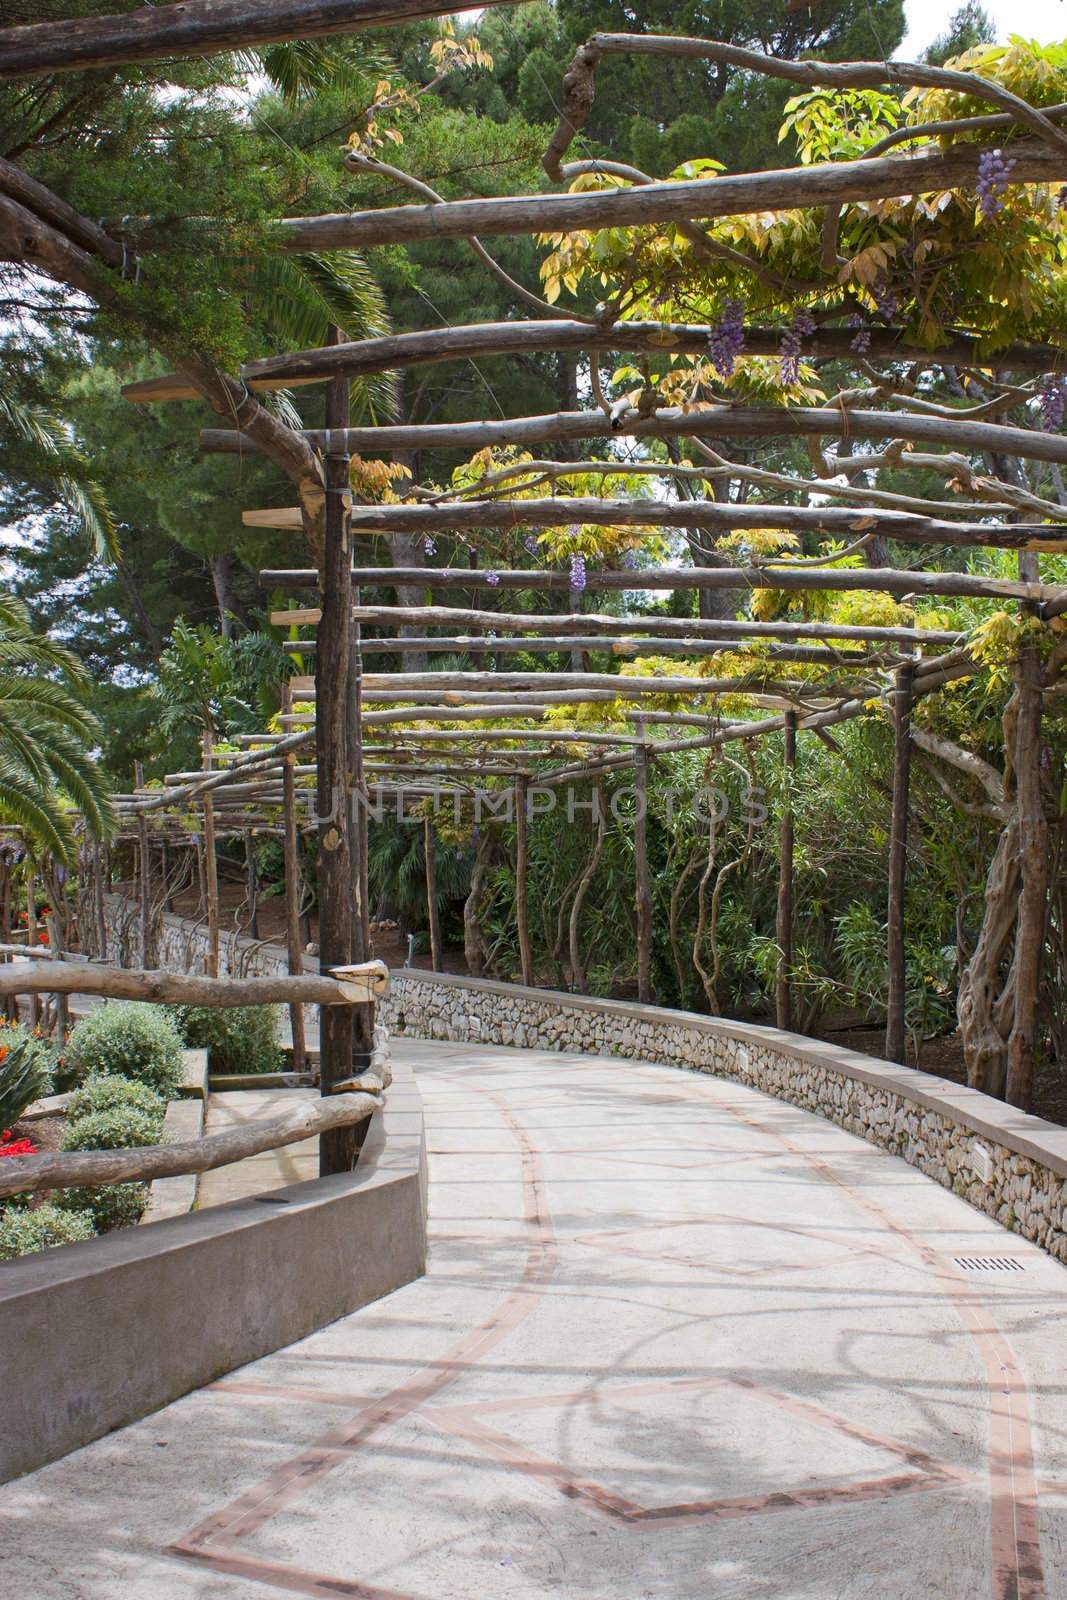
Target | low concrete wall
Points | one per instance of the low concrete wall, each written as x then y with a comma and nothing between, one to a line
96,1335
1010,1165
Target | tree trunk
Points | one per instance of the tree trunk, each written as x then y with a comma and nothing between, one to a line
251,886
221,568
898,865
1033,867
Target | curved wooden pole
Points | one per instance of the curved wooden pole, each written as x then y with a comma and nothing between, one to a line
171,988
728,195
143,1164
711,421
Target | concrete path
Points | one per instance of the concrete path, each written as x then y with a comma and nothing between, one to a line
678,1342
273,1169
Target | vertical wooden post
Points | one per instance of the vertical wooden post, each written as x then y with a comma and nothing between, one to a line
144,873
337,1149
522,864
642,889
211,869
1033,889
898,846
429,842
31,935
251,885
164,872
98,902
783,996
294,944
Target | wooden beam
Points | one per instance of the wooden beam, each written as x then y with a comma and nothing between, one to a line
624,649
181,989
716,516
211,870
480,339
608,626
193,28
889,580
713,421
727,195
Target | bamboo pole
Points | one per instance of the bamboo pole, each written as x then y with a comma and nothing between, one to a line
293,942
522,864
429,840
784,920
903,696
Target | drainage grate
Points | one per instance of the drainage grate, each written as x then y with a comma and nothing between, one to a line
990,1264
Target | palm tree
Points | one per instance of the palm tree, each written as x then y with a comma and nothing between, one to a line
47,736
46,444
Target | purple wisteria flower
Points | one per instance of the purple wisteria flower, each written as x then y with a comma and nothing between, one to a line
861,337
994,175
578,575
801,327
429,544
492,578
727,337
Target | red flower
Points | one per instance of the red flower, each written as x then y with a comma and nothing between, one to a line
16,1147
42,938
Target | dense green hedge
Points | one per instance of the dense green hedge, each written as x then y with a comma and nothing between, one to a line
239,1038
131,1039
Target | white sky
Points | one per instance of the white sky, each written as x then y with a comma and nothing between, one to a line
1043,20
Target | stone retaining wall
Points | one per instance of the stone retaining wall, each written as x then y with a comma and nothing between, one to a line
1010,1165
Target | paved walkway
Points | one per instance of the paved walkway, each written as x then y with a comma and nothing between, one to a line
272,1169
678,1342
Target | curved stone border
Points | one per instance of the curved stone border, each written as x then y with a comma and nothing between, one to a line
96,1335
1006,1163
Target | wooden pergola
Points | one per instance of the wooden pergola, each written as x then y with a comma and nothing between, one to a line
386,727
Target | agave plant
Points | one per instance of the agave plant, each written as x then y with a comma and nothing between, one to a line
23,1080
47,736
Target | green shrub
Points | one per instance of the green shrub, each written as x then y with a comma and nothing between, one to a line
131,1039
112,1205
121,1128
22,1232
107,1091
240,1038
